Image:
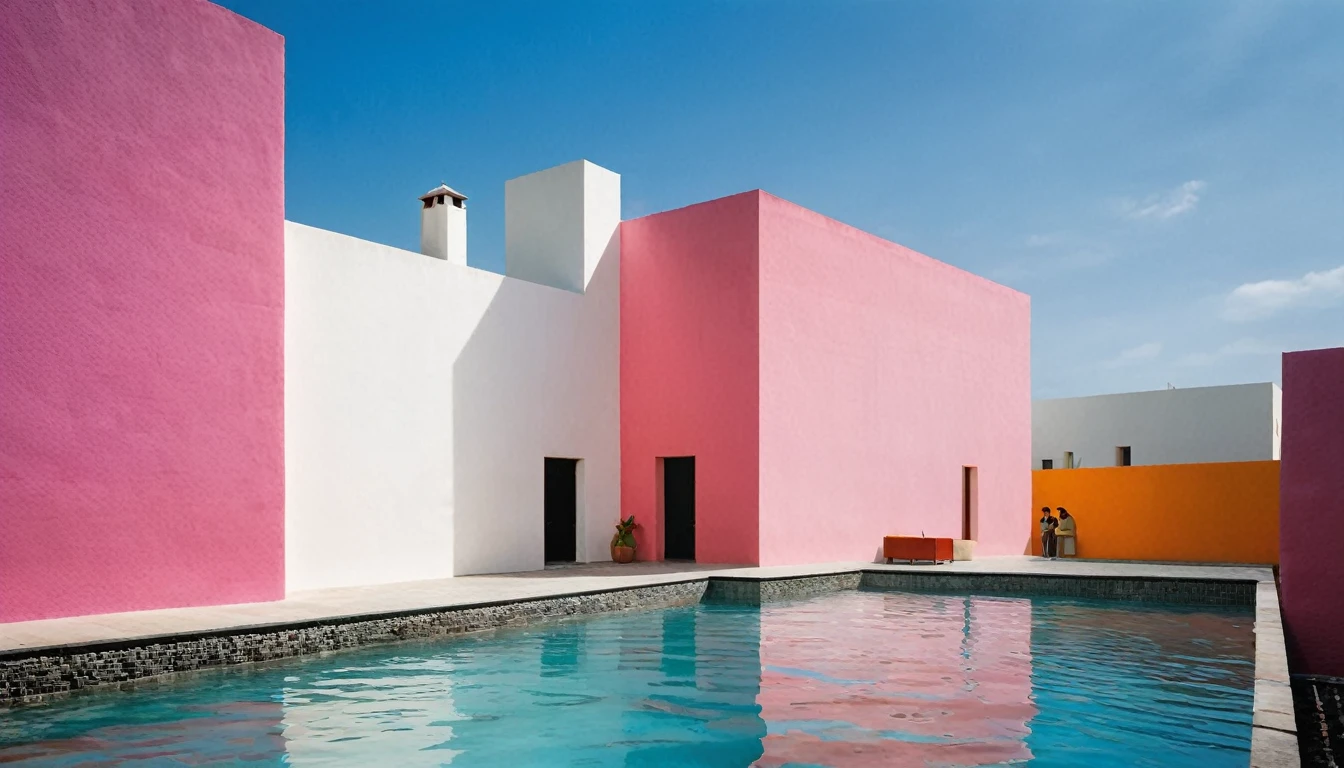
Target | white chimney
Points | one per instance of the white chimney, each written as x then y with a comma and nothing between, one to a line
443,224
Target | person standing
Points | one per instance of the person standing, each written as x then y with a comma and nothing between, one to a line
1048,525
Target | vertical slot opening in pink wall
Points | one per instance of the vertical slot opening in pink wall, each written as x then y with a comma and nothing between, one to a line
970,487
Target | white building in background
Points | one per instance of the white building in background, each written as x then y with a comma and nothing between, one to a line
1171,426
424,397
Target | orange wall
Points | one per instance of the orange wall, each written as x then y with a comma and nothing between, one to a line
1207,513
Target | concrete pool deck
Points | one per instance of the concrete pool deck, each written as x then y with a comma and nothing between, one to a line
43,646
348,602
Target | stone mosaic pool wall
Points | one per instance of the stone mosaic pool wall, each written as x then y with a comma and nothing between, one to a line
1179,591
35,675
756,591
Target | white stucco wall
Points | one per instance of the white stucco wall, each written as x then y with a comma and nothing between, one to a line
421,397
1175,426
553,236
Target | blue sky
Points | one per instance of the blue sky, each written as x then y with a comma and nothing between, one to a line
1165,179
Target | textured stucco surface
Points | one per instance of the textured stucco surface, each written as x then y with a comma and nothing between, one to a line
882,373
1124,513
689,370
141,303
830,384
1311,510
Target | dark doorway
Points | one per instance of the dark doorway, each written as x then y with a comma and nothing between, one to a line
968,493
562,493
679,508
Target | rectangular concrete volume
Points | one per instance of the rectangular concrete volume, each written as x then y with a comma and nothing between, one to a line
832,386
142,308
1311,515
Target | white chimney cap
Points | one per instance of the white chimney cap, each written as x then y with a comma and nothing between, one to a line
443,189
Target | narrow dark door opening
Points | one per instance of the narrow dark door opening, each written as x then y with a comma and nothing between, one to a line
968,491
561,500
679,508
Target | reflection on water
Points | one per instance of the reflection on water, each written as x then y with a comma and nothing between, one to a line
1141,687
851,679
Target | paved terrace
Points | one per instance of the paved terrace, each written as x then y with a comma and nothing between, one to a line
464,591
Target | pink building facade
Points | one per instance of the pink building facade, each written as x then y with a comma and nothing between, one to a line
173,432
1311,510
141,308
832,387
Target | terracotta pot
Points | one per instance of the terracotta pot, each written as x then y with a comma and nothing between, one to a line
622,554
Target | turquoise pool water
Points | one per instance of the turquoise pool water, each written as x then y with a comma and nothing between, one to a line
847,679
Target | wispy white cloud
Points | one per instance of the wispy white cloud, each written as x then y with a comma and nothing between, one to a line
1253,301
1240,348
1164,205
1134,355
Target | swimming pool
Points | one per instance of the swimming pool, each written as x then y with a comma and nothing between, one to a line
857,678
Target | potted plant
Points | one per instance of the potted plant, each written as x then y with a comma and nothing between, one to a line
623,543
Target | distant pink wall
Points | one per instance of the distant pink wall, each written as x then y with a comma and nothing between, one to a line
1311,510
141,307
883,372
830,384
688,370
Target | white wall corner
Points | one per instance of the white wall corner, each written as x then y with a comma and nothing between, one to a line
601,216
559,222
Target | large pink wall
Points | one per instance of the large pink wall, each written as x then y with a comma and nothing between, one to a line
831,385
1311,510
141,307
883,373
688,370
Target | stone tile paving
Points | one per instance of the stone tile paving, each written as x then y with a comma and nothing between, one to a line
1320,721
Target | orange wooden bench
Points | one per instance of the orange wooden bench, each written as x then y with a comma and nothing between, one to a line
914,548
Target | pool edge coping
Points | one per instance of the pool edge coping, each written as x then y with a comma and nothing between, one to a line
132,641
660,580
1274,738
